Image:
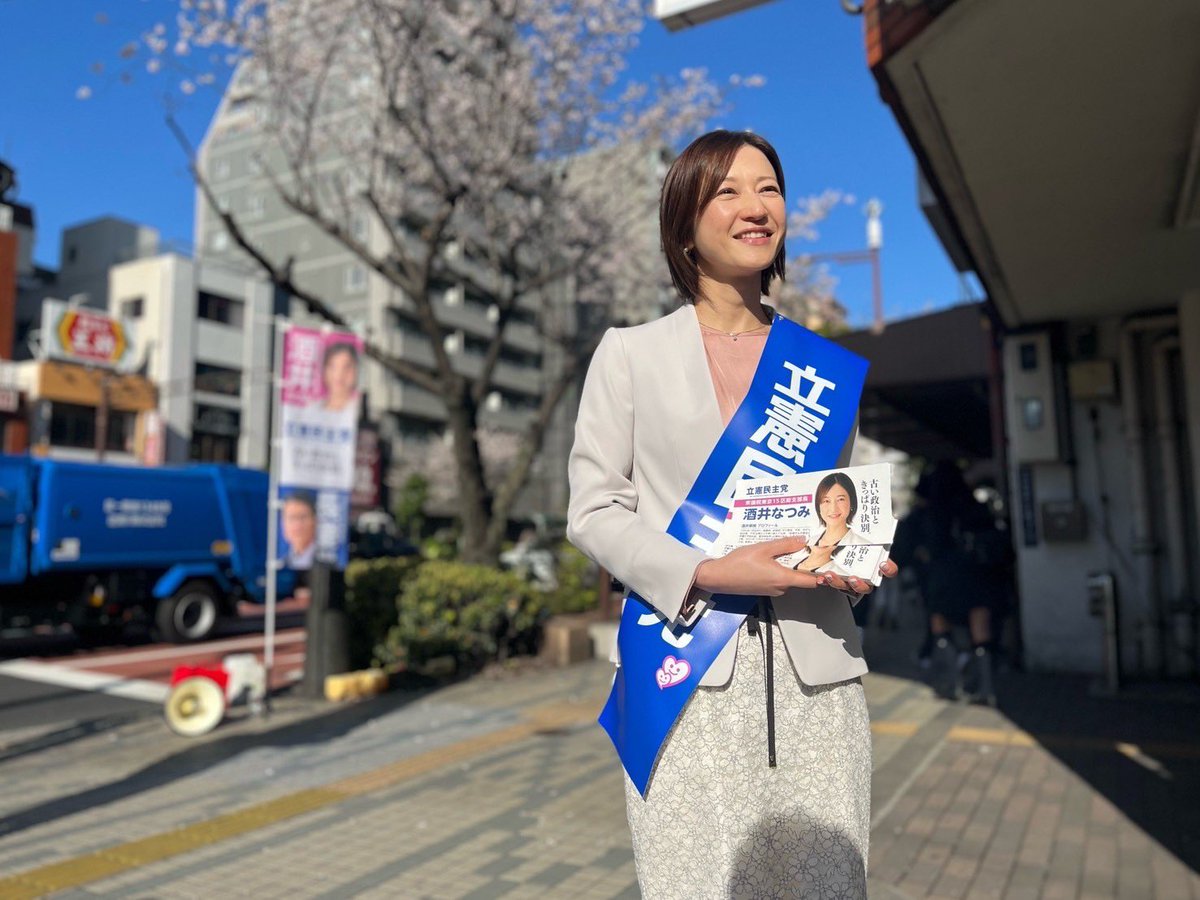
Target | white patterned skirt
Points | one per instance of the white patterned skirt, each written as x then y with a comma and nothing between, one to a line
717,822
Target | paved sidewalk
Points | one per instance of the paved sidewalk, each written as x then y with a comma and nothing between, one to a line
504,787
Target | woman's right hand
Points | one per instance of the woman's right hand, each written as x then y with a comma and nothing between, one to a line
754,570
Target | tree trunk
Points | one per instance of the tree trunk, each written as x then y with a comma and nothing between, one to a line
476,544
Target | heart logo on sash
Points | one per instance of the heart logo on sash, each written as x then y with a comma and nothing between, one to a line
672,672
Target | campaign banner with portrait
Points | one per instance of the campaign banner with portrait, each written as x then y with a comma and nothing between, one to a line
318,418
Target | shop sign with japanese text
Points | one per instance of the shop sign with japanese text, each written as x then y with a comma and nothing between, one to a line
87,336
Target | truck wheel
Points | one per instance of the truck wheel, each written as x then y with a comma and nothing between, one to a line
190,614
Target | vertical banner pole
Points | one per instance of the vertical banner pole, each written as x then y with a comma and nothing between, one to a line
278,328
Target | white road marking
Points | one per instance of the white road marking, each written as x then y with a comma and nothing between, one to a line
1143,759
61,676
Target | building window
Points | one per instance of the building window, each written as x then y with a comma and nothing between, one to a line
74,425
256,207
215,434
355,279
121,429
218,379
132,309
359,226
216,308
523,315
414,431
404,323
218,448
520,358
221,169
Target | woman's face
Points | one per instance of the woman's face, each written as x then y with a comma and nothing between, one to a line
835,506
341,378
740,230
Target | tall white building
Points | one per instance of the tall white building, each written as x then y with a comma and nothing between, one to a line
205,336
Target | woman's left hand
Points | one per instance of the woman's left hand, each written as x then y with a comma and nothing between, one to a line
856,585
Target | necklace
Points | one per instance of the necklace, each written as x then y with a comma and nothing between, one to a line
817,542
736,334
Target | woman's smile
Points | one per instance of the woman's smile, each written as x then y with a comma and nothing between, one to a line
755,238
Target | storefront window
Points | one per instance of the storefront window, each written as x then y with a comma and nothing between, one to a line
74,425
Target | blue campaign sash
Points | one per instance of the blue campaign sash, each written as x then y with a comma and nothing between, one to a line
797,415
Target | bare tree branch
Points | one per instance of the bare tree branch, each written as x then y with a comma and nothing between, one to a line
281,276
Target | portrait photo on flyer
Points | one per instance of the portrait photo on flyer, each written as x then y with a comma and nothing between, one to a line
844,514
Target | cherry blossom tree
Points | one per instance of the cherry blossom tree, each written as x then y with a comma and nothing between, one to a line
502,132
809,295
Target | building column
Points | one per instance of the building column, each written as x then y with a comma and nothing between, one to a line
1189,338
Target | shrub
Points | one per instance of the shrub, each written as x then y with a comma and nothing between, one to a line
409,511
442,545
576,575
372,591
472,613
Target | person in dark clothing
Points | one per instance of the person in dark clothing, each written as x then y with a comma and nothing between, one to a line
951,540
909,551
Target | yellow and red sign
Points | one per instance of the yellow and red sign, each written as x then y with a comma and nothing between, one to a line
84,335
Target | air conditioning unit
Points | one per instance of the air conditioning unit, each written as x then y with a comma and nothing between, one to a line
493,402
493,313
454,295
453,342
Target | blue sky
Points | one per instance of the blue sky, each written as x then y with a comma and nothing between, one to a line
113,155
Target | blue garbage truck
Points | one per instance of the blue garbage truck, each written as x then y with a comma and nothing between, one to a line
99,545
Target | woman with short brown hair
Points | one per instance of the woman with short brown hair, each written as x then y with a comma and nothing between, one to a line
744,798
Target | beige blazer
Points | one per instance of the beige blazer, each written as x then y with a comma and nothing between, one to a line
648,419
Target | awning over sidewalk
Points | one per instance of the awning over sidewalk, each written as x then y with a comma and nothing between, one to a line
927,388
1061,140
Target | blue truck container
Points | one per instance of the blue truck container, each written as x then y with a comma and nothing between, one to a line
98,545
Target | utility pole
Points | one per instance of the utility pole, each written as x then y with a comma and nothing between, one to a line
873,210
874,213
102,415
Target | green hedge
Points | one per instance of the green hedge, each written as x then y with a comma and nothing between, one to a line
471,613
412,609
576,591
372,591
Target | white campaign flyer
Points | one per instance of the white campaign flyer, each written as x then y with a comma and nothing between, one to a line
845,514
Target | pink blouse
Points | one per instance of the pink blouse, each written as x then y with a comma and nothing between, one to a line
731,362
